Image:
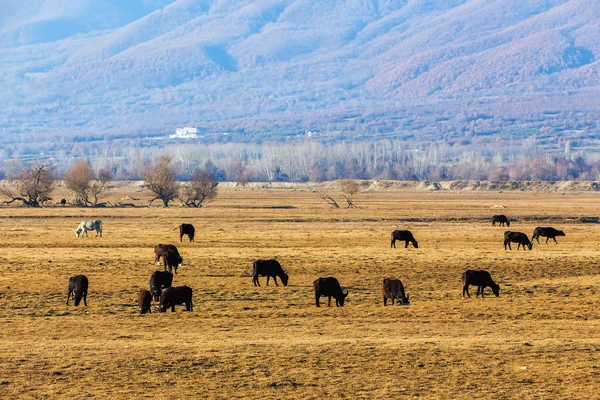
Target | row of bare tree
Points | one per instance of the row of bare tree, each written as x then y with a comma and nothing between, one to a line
33,186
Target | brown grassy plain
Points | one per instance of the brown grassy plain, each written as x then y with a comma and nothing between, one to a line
539,339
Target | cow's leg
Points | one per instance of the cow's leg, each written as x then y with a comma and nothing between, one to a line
85,298
173,308
482,295
518,245
317,299
384,301
406,245
393,243
555,240
268,276
68,296
466,290
275,279
255,280
477,293
329,302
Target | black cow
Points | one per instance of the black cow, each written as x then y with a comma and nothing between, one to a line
407,236
78,285
186,229
481,279
393,289
144,300
172,260
158,281
268,268
161,249
517,237
547,232
501,219
329,287
175,296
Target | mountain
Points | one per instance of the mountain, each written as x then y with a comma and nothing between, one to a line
143,65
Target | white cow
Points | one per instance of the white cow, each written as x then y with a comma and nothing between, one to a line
85,226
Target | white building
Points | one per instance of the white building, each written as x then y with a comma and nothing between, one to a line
185,132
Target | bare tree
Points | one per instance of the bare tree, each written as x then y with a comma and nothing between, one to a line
199,190
32,186
85,185
349,188
324,194
159,178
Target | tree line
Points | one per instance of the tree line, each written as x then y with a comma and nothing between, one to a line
34,185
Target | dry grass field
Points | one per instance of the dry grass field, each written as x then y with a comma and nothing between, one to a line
540,339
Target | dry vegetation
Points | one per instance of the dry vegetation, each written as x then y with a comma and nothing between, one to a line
540,339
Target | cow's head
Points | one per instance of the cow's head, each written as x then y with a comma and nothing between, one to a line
416,244
156,293
496,289
77,297
78,231
284,278
405,300
342,298
530,245
560,233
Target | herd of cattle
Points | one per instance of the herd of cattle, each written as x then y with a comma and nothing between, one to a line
168,296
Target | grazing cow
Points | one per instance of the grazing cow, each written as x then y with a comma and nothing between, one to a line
481,279
407,236
517,237
144,300
270,268
501,219
175,296
329,287
186,229
172,260
78,286
547,232
161,249
92,225
393,289
158,281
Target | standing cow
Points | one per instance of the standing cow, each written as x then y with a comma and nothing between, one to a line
186,229
92,225
547,232
161,249
393,289
481,279
406,236
78,286
175,296
144,301
329,287
517,237
501,219
158,281
268,268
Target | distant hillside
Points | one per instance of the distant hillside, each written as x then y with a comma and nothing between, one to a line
148,65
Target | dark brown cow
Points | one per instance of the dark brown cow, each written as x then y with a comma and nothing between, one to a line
186,229
78,286
405,236
393,289
517,237
481,279
501,219
159,281
329,287
547,232
175,296
268,268
144,300
172,260
161,249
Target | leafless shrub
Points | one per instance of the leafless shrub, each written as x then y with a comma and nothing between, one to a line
32,186
199,190
86,187
160,179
